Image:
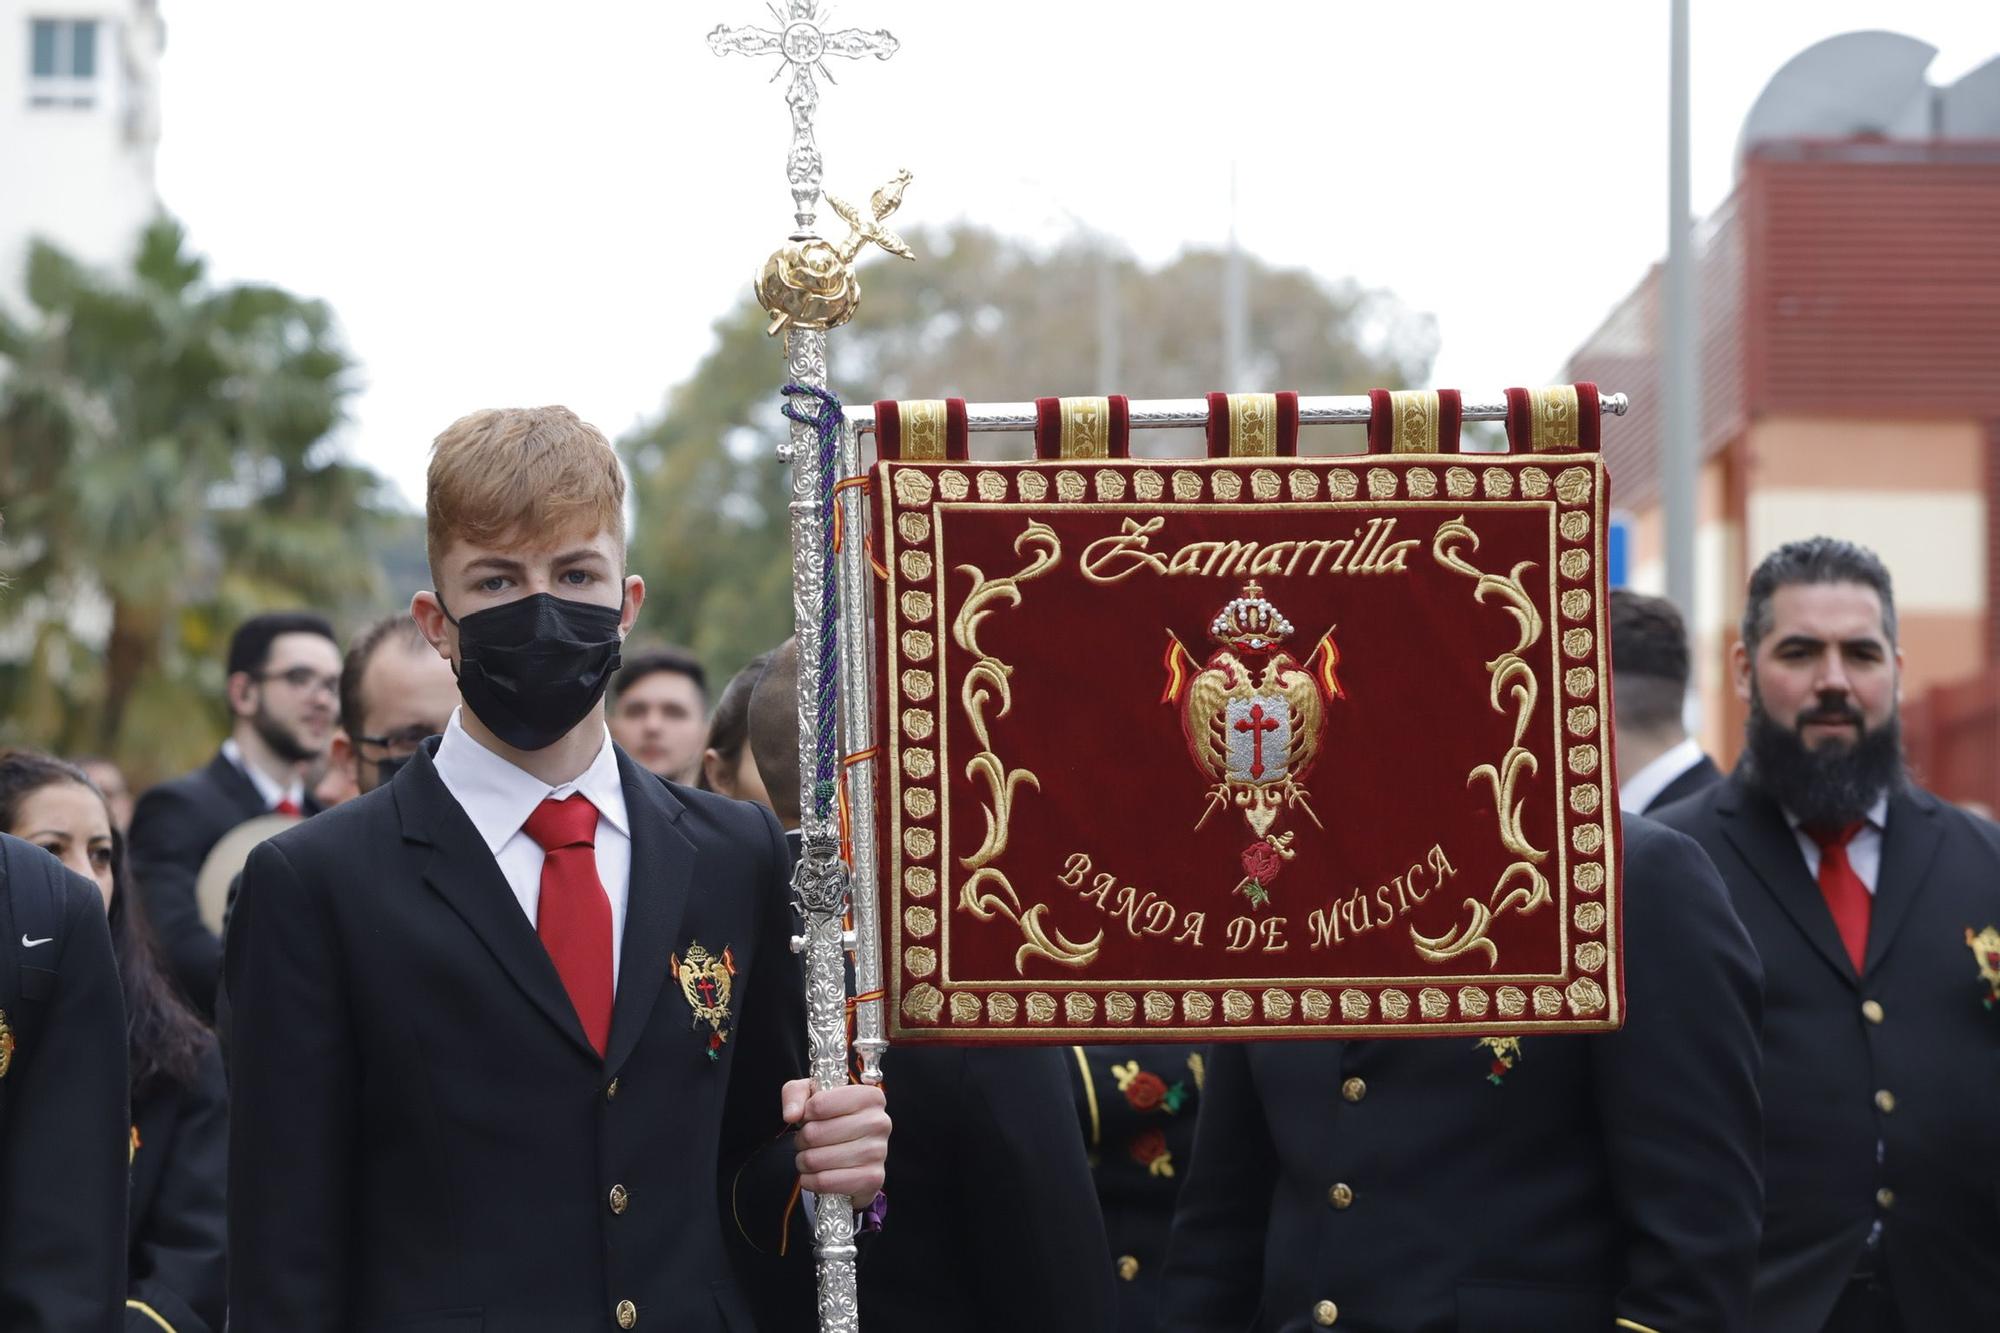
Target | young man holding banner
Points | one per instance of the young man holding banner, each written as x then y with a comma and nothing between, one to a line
517,1036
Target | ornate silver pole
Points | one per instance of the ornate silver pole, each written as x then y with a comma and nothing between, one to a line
819,882
857,699
808,286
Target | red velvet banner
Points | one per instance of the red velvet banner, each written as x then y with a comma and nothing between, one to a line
1245,749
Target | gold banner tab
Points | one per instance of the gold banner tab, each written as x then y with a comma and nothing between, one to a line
1086,428
923,429
1253,425
1553,418
1413,421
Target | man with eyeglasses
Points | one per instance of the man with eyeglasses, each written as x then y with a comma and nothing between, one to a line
284,687
395,693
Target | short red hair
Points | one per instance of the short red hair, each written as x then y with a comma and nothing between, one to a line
507,473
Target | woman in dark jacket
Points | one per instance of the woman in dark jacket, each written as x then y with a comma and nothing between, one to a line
179,1126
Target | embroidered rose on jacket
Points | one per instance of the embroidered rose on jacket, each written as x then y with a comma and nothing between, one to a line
1506,1053
1147,1091
1149,1149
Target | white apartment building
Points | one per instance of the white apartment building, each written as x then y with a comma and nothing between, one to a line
79,122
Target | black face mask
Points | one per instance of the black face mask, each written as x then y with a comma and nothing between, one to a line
386,769
532,669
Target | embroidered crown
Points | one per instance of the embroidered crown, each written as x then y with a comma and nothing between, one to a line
1250,622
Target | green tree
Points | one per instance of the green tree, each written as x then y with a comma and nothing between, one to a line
981,317
165,469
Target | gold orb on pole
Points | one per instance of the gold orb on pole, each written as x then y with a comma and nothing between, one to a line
809,283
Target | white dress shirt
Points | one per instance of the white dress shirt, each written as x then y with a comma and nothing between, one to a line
269,790
499,797
1635,794
1864,850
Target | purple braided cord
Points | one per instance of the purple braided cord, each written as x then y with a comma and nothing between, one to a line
825,418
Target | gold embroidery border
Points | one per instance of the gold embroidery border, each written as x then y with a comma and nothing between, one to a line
1556,724
1351,983
1594,505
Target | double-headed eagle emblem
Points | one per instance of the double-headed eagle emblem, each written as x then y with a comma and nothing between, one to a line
705,981
1254,719
1985,946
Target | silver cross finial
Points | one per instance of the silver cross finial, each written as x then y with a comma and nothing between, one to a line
804,42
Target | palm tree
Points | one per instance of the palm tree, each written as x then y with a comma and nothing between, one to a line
165,468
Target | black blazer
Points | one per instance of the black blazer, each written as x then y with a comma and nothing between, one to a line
174,827
1137,1106
63,1128
993,1222
421,1137
1913,1025
1698,778
1605,1177
180,1152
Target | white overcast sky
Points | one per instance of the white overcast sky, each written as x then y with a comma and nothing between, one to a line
514,202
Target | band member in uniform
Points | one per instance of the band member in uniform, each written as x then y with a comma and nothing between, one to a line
518,1035
284,678
993,1226
1658,762
63,1122
179,1131
659,712
727,765
1561,1184
1876,909
1137,1105
395,694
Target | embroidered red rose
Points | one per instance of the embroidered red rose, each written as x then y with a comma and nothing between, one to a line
1148,1145
1262,862
1145,1091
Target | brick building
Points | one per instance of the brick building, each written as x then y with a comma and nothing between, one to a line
1849,301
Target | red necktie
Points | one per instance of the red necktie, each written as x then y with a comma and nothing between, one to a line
574,919
288,806
1846,896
